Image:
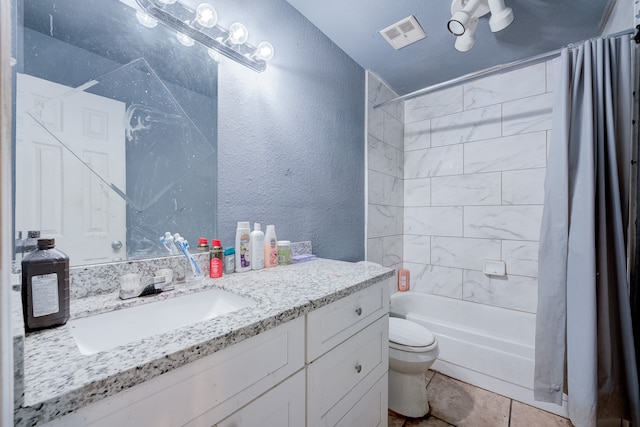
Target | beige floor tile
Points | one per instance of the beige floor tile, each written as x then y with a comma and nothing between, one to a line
396,420
527,416
427,422
464,405
429,375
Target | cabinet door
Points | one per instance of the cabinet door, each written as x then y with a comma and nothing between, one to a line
370,410
282,406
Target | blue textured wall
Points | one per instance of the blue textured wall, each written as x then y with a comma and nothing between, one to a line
291,139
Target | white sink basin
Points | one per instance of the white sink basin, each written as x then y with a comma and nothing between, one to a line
108,330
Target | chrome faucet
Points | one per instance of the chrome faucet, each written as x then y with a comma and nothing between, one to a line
151,286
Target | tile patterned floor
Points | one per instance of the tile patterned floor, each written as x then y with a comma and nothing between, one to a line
458,404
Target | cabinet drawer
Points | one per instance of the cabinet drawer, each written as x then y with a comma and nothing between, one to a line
283,406
364,357
332,324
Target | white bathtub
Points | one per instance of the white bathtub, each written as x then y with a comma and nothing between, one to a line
490,347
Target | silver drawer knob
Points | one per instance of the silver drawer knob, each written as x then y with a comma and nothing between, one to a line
116,244
358,368
358,311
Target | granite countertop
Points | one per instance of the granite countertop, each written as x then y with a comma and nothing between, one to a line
58,379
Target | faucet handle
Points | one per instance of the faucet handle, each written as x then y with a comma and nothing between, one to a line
167,274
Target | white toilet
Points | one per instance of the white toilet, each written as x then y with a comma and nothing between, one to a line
412,351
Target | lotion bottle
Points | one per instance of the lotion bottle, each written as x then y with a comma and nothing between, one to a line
270,247
257,246
243,247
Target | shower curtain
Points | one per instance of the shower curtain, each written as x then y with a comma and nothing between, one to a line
584,338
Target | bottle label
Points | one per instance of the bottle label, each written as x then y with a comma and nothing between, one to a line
229,264
272,258
245,251
215,267
45,294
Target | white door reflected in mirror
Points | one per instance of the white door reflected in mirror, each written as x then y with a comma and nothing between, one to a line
56,193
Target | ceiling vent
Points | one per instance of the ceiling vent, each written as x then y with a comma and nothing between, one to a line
403,33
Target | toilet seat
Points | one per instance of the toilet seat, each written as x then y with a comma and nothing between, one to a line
409,336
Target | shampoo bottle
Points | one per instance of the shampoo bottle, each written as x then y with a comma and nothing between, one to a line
270,247
257,247
243,247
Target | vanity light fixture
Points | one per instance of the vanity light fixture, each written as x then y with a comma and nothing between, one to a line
201,26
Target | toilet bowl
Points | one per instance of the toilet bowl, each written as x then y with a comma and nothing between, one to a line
412,351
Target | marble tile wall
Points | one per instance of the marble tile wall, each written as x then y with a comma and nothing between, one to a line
474,166
385,162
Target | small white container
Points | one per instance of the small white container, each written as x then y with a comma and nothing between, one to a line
257,247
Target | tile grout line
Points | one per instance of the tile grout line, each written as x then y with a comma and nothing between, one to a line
510,409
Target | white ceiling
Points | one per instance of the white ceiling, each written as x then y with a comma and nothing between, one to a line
540,26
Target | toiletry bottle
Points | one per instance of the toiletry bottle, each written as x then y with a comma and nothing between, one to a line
403,280
257,247
45,287
203,245
216,265
284,252
243,247
229,260
270,247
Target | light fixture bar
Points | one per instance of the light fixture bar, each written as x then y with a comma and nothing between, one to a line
172,15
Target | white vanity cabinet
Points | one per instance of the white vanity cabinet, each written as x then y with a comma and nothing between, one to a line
206,391
328,368
348,360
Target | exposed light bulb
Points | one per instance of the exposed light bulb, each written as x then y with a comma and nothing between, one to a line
145,19
238,33
214,55
206,15
184,39
167,1
264,51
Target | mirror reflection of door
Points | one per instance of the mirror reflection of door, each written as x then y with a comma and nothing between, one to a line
56,193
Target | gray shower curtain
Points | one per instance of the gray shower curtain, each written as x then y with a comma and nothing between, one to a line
584,339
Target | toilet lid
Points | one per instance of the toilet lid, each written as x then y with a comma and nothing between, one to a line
408,333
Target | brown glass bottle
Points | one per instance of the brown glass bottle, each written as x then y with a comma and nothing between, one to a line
45,287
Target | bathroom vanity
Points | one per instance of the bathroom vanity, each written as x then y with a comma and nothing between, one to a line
312,351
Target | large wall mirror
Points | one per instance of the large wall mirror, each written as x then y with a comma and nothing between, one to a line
115,134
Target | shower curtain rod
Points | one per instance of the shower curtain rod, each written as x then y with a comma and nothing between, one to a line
497,68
